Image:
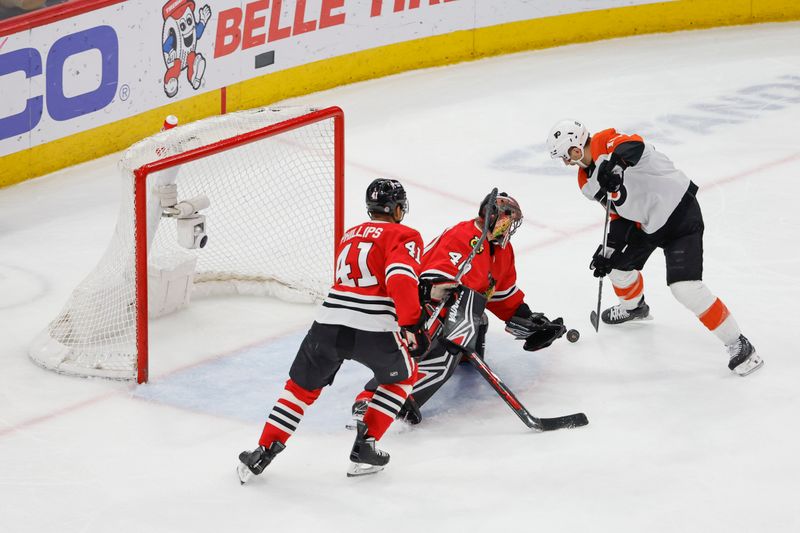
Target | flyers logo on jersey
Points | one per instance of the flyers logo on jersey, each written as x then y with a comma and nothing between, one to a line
473,242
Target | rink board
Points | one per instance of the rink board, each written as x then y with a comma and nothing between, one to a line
110,94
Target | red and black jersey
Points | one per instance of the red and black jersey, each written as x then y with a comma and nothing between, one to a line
377,268
492,271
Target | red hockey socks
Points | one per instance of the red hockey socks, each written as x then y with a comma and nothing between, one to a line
287,413
385,404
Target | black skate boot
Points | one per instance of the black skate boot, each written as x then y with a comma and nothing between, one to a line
617,314
253,463
365,458
410,413
743,357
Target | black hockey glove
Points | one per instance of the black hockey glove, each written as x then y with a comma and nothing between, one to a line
537,331
610,173
522,328
545,336
416,337
600,265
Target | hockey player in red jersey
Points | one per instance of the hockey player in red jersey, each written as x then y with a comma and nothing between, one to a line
492,273
653,205
371,315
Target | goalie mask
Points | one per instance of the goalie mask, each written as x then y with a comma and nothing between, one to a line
504,220
383,195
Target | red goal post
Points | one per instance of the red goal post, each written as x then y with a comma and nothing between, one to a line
255,183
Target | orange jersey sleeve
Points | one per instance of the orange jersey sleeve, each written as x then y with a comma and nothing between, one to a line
604,142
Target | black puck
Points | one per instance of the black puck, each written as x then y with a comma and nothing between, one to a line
573,335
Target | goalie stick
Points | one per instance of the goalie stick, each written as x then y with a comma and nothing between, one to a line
539,424
594,316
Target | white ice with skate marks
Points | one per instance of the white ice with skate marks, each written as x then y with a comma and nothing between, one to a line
676,442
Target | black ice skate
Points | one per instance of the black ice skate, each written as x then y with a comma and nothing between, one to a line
365,458
617,314
743,357
253,463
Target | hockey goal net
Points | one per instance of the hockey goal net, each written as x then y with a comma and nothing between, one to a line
249,179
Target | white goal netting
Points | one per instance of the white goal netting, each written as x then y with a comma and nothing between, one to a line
269,225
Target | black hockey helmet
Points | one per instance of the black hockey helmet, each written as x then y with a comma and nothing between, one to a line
384,194
504,219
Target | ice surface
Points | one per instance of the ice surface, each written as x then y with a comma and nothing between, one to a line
675,442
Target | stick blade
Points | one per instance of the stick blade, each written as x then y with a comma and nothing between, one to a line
595,320
562,422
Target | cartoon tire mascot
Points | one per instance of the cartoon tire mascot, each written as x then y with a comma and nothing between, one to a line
179,39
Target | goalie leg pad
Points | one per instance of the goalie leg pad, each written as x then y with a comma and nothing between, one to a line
437,367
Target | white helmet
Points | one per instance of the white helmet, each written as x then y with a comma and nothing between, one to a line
563,136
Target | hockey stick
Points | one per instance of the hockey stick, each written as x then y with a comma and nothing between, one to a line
539,424
594,317
490,204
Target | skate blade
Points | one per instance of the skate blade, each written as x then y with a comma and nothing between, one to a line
244,473
631,321
749,366
362,469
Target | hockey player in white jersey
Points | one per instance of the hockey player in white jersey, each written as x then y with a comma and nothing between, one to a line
653,205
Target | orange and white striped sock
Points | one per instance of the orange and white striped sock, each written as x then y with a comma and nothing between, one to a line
629,287
709,309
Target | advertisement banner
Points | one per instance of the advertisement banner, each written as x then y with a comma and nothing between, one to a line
106,65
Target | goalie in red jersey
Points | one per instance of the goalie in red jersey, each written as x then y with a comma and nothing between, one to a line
371,315
492,275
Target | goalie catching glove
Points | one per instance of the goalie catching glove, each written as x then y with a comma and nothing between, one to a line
534,328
